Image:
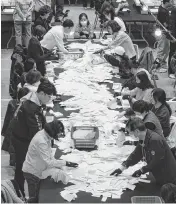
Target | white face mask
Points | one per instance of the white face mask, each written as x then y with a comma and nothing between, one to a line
36,84
83,23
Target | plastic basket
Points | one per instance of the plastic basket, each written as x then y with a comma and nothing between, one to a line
85,143
146,199
73,54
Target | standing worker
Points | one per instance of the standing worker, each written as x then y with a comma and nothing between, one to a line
23,20
28,121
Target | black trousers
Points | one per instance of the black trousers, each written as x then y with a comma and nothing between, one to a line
85,2
33,187
172,51
21,149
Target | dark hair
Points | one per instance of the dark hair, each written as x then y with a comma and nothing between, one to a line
166,1
19,68
80,17
168,193
53,128
135,124
22,92
29,64
140,106
68,23
129,112
145,83
39,31
44,10
160,95
47,87
114,26
108,9
33,76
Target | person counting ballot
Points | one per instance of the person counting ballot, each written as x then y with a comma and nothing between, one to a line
55,36
154,150
119,38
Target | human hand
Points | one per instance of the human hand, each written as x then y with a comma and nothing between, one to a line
116,94
126,97
116,172
71,164
137,173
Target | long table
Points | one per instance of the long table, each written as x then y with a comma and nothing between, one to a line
138,21
50,191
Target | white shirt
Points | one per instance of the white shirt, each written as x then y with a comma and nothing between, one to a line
39,156
54,38
123,39
121,23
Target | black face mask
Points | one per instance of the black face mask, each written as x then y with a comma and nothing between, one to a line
139,85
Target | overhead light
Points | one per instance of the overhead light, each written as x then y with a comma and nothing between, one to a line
158,32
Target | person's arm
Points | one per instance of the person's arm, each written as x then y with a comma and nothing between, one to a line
134,157
116,41
45,155
77,32
132,93
31,7
18,10
36,54
157,156
59,42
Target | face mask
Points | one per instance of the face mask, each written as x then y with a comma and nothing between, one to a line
83,23
36,84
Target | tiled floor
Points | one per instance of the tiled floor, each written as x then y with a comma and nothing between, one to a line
6,171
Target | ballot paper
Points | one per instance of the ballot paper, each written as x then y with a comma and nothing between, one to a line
83,134
80,79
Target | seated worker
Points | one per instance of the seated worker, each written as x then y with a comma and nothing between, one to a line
142,91
6,129
33,78
120,38
131,83
142,110
118,58
162,110
55,36
168,193
108,13
42,20
157,154
39,157
84,29
36,52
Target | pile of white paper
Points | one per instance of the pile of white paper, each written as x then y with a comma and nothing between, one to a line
80,80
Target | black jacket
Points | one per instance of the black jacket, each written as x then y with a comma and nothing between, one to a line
43,22
158,156
124,65
29,120
163,115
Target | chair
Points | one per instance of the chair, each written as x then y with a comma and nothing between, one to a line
137,51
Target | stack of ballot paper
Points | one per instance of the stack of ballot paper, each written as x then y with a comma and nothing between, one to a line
80,80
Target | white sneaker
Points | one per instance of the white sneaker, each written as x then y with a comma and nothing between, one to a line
172,76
